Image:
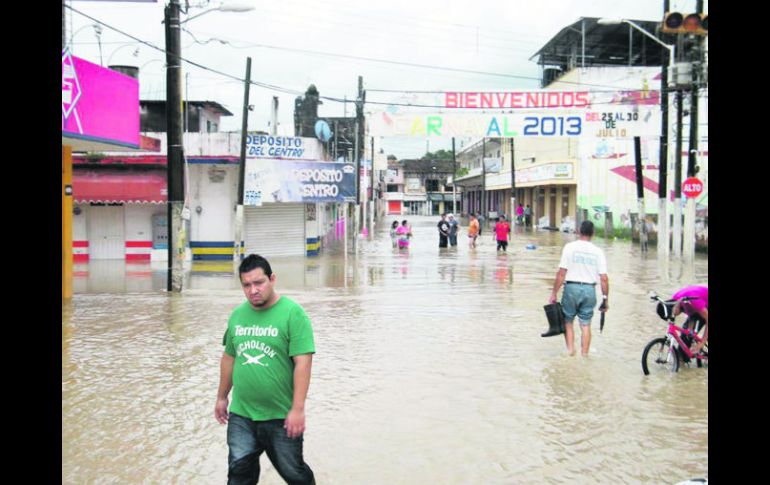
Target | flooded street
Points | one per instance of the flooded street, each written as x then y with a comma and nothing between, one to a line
429,368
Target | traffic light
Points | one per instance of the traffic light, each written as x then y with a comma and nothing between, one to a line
694,23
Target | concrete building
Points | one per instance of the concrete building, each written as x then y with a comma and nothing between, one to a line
621,59
120,204
418,187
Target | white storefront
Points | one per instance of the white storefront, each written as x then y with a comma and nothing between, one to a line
275,230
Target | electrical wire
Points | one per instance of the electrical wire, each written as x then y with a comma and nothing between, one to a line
330,98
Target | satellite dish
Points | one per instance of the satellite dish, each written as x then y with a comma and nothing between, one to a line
322,131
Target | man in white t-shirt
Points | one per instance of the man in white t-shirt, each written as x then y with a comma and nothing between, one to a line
582,265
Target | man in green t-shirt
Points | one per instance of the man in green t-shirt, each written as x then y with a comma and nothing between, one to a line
268,354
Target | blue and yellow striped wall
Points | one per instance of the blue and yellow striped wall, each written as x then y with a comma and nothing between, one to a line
214,250
313,246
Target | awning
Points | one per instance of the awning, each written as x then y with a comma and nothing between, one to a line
111,186
435,197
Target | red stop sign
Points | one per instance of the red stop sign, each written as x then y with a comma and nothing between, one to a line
692,187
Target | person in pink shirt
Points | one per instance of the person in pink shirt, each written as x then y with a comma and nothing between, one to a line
520,214
696,310
502,229
404,232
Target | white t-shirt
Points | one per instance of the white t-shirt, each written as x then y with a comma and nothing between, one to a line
584,262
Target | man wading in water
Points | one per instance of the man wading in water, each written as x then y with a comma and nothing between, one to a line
268,353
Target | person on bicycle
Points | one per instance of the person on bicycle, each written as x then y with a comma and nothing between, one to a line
696,309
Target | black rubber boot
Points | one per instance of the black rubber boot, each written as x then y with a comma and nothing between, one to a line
555,320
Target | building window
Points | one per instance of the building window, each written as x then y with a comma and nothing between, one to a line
431,185
393,188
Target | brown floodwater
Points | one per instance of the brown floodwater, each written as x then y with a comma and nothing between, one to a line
429,368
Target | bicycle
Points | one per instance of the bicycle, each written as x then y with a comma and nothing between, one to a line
664,353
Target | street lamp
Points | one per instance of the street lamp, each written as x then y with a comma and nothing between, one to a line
135,54
224,7
97,31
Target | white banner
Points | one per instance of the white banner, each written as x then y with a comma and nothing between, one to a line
551,171
610,121
283,147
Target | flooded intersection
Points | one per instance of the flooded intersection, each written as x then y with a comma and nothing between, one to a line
429,368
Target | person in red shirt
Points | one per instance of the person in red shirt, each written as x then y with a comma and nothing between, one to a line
502,229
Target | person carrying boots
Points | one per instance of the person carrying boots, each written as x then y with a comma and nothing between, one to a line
582,266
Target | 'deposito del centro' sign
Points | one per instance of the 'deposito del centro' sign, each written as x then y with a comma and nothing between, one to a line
283,147
286,181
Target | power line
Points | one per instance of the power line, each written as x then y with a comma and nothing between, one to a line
330,98
415,36
521,37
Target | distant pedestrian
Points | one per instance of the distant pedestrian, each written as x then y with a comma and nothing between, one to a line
443,231
481,219
502,229
404,235
394,233
520,214
454,227
528,216
582,265
473,231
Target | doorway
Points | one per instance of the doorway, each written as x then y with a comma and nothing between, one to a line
106,238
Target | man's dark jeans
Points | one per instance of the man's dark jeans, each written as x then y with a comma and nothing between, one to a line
247,440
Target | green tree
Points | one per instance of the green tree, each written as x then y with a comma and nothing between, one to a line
438,155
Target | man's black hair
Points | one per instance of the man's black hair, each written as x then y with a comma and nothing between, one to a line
587,228
252,262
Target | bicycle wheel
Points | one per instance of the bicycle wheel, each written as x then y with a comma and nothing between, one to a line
658,356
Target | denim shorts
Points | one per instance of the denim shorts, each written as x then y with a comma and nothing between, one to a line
578,300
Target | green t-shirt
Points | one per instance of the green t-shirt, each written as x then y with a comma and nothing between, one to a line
263,344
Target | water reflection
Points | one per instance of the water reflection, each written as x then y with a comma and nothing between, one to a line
430,369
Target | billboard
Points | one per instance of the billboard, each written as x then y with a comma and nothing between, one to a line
276,181
98,104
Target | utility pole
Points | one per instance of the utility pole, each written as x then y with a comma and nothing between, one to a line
513,183
242,165
688,250
454,178
63,25
484,179
677,234
374,202
357,212
663,159
175,153
640,193
274,116
358,144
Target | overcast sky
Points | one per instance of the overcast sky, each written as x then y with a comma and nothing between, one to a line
295,43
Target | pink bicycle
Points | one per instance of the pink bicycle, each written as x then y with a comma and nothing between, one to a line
663,354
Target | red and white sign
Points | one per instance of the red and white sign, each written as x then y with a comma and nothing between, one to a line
692,187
